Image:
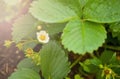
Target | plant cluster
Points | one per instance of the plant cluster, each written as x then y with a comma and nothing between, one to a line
89,30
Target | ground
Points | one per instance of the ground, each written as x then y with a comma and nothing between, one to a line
9,57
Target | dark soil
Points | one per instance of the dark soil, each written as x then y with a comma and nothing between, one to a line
9,57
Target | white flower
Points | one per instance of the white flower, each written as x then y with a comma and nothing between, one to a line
43,36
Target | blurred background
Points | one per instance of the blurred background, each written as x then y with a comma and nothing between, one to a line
10,10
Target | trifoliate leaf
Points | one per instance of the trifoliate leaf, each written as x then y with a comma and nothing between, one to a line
102,11
53,11
54,62
25,74
83,36
24,27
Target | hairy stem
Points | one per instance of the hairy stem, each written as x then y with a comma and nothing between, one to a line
75,62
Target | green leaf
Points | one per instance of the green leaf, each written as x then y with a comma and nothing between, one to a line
85,67
54,62
117,71
29,44
24,27
106,56
102,11
54,28
95,61
99,75
25,74
83,3
28,63
114,60
115,29
91,65
83,36
77,76
54,11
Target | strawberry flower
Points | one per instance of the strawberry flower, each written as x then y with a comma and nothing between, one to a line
43,36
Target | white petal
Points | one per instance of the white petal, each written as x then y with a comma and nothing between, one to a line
43,33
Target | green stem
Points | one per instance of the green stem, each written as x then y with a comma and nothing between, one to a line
117,48
82,72
117,66
75,62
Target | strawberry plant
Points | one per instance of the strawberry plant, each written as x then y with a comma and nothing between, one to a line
77,39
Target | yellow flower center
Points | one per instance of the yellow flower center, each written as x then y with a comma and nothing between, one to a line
42,37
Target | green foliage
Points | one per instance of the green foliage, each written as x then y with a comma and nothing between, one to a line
25,74
80,27
77,76
106,56
104,68
54,28
28,63
115,28
102,11
91,65
54,62
24,28
83,3
53,11
29,44
114,60
80,39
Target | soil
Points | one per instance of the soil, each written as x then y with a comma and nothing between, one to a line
9,57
